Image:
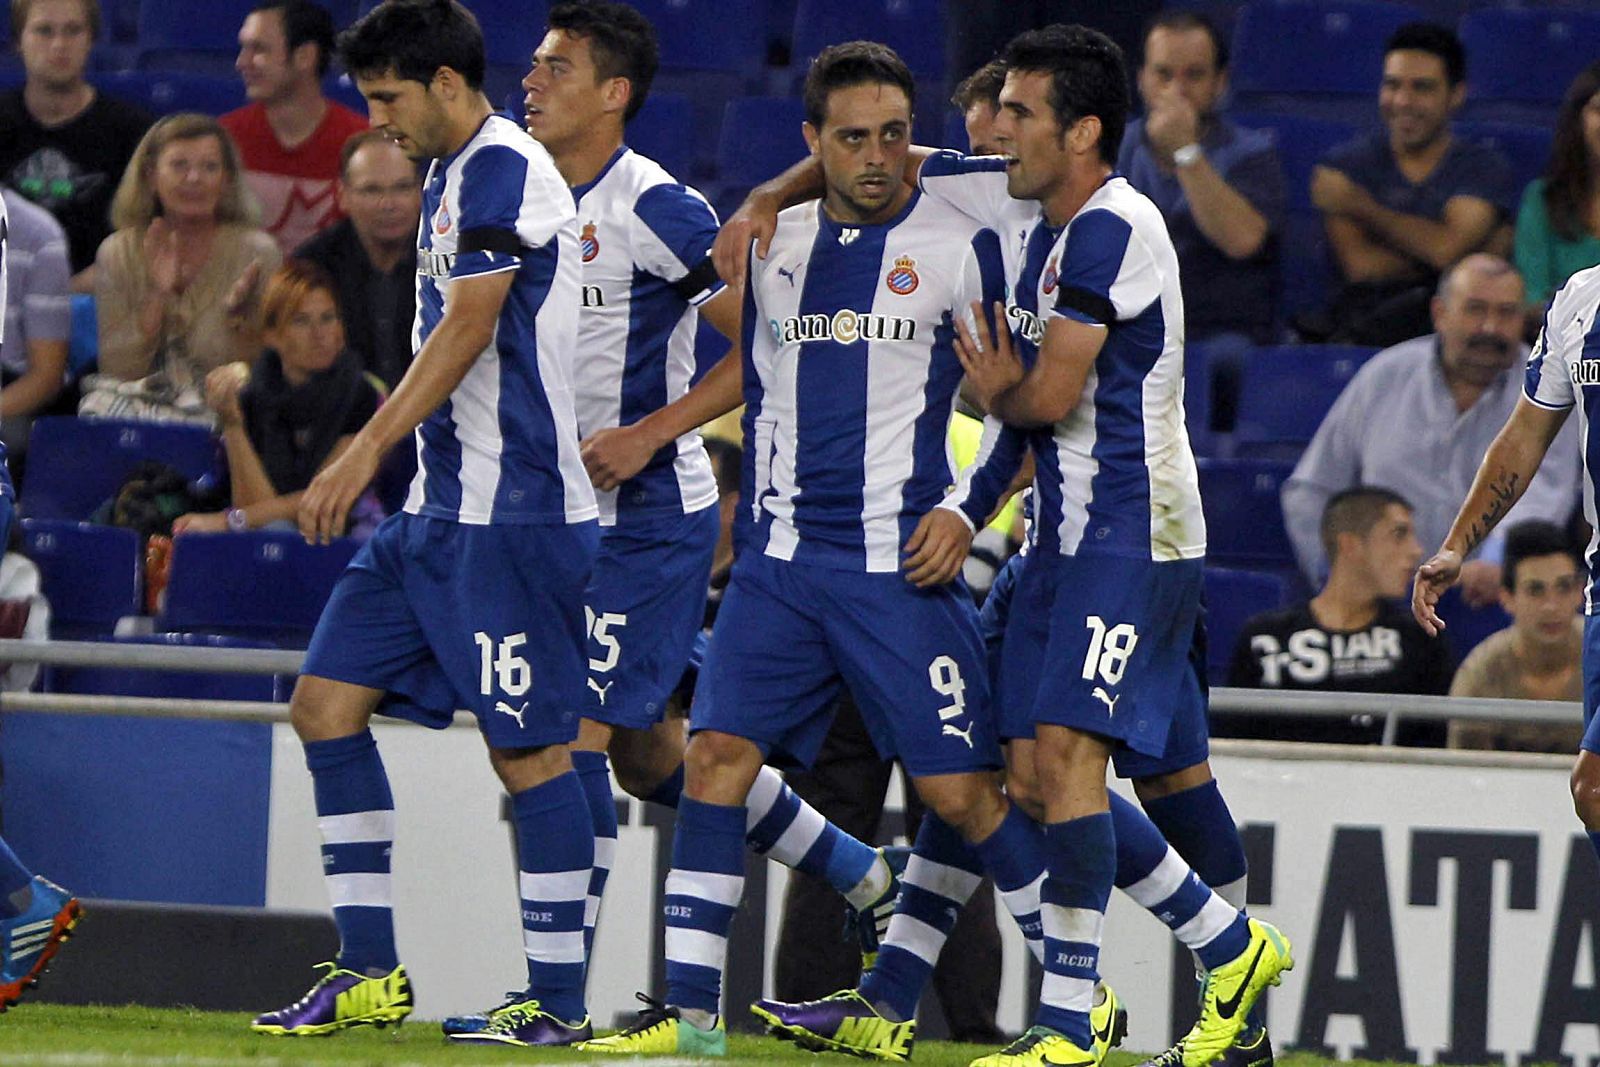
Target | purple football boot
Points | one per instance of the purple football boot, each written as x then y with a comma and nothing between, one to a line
841,1022
342,999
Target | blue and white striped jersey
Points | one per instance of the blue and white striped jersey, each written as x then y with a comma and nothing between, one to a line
850,378
1563,373
504,448
1117,475
646,249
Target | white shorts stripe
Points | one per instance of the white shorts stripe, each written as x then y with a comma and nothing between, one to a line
563,947
356,827
1080,925
915,936
1205,927
1160,883
950,882
359,890
724,889
554,886
698,947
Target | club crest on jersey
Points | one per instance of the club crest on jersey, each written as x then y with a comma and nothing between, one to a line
902,279
1051,276
441,219
589,243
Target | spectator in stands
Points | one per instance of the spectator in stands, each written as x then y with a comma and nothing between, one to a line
38,311
291,414
1354,636
62,144
177,284
1558,226
1220,187
1537,657
1404,203
372,252
289,135
1418,417
978,100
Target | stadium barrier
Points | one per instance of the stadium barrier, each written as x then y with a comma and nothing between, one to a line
1445,907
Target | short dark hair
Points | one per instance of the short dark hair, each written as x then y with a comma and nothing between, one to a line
1087,73
622,42
1355,510
1530,540
1435,39
840,66
1186,21
303,23
982,86
414,38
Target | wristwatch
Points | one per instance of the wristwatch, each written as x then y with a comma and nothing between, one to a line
1187,156
238,521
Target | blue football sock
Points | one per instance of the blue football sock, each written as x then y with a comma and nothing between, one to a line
355,814
555,851
1014,857
1082,858
783,827
14,878
1151,872
594,773
1199,825
703,892
941,876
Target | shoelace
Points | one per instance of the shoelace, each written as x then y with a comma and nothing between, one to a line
333,971
655,1013
514,1013
1030,1037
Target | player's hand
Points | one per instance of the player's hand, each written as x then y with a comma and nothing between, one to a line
936,549
756,220
991,362
200,522
614,455
1480,583
325,505
1433,578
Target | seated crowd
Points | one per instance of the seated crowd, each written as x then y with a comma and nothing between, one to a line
253,274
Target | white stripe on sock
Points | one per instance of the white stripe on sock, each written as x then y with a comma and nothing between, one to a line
605,852
359,890
553,886
1067,993
1215,917
798,837
724,889
591,911
698,947
1081,925
763,794
952,883
1233,892
356,827
921,939
565,946
1024,901
1160,883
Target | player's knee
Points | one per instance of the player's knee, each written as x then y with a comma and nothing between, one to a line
1586,793
972,804
1023,789
714,757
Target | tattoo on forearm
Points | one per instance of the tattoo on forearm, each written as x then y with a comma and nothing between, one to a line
1503,490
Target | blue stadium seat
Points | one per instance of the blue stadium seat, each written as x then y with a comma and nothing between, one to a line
75,465
955,132
83,346
1526,146
511,31
1232,597
1244,517
913,28
1302,142
760,137
341,88
180,35
1306,269
1197,396
664,130
1526,56
92,575
1299,53
144,809
1465,627
709,35
162,92
220,582
1287,390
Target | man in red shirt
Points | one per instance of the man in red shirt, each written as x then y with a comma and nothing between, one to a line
289,135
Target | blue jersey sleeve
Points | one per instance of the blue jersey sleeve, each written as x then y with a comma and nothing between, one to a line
1106,273
509,208
674,231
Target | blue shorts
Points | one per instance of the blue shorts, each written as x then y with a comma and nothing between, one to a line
442,615
1591,683
1113,647
996,610
788,633
646,601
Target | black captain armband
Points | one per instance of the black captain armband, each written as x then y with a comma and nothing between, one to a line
1097,307
491,239
697,281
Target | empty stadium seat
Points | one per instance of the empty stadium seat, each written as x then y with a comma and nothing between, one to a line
1286,391
913,28
1525,146
1244,517
1526,57
760,137
162,92
264,584
664,130
180,35
709,35
75,465
92,575
1232,597
1300,53
1302,142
